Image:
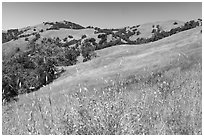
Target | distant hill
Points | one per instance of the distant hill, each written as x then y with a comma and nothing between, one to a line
71,32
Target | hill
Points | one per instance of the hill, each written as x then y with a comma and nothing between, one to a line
146,29
152,88
19,38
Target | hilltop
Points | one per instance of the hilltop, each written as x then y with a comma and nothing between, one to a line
68,31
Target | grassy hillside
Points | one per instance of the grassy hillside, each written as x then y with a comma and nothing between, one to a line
65,31
146,29
152,88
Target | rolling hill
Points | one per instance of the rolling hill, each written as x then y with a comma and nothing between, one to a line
153,88
46,30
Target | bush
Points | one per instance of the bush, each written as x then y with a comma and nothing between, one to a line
41,30
175,23
153,30
26,39
83,36
70,36
15,38
69,43
138,33
65,39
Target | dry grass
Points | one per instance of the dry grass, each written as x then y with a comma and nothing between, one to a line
157,98
165,102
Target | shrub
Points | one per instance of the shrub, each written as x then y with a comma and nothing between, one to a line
65,39
138,33
69,43
90,27
41,30
83,36
37,36
26,39
15,38
70,36
175,23
153,30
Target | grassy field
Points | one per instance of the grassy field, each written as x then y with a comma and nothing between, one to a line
151,89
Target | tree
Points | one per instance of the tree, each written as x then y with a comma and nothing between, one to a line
71,55
87,50
26,39
41,30
175,23
83,36
103,39
153,30
70,36
65,39
138,33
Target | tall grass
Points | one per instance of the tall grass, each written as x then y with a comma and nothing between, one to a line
164,102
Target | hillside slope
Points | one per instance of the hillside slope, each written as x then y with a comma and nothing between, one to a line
152,88
130,58
45,32
146,29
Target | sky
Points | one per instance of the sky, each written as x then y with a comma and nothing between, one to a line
104,15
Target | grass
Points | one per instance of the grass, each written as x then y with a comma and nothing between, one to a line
164,102
158,94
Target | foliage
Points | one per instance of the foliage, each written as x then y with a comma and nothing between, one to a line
65,39
70,36
41,30
69,43
26,39
175,23
83,36
10,34
88,48
29,70
65,24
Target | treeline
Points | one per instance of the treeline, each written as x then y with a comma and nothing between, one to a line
14,34
10,34
27,71
122,36
159,34
65,24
